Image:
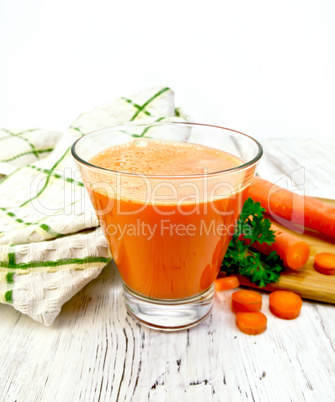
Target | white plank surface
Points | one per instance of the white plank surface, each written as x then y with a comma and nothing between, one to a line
308,164
96,352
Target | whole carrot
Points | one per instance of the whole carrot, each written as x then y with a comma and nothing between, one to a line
312,213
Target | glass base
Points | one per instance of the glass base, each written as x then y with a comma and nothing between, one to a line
169,315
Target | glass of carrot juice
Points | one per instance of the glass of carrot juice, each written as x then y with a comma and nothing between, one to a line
167,196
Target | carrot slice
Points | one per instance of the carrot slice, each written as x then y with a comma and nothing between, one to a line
285,304
228,282
312,213
246,300
325,263
251,323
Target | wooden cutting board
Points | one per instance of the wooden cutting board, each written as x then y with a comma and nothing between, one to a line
308,283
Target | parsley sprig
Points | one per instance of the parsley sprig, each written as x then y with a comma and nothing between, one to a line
240,259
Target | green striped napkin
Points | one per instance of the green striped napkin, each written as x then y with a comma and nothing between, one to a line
50,242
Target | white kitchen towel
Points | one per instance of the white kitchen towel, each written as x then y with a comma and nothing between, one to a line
50,242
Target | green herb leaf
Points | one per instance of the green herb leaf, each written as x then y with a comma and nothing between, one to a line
240,259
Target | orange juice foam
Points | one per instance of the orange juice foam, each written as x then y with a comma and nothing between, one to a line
164,158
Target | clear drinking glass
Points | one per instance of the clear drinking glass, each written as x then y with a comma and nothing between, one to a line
168,233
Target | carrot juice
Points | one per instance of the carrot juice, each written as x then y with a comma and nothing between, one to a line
167,224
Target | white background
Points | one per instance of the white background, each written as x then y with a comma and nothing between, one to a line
266,68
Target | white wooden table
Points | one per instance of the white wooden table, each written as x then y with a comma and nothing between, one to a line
96,352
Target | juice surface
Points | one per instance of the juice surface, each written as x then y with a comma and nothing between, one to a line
164,158
166,248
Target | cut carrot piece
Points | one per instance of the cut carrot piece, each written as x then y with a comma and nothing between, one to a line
246,300
293,251
307,211
251,323
285,304
325,263
228,282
